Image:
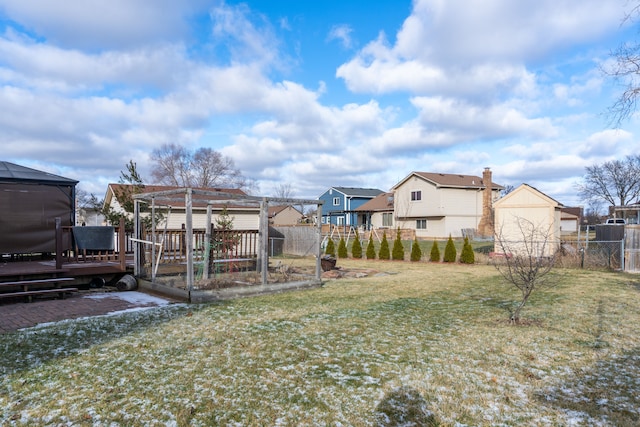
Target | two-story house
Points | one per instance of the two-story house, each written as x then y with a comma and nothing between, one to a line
437,205
340,204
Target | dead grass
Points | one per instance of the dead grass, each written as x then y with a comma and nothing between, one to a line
420,340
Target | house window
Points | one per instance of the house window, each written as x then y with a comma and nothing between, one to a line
421,224
336,201
416,195
387,219
340,220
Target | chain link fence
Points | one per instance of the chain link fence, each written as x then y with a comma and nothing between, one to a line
593,254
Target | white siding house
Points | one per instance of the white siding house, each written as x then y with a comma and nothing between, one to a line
244,217
437,205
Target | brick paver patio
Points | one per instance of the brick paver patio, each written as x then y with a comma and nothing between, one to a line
18,315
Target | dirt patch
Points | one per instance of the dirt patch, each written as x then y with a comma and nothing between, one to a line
521,322
352,273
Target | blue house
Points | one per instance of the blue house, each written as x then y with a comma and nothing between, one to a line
340,204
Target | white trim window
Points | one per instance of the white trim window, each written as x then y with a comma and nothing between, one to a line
421,224
416,195
387,219
336,201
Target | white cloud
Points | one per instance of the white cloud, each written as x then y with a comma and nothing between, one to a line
472,31
249,38
383,73
477,121
301,127
96,24
50,68
474,47
450,91
341,33
608,144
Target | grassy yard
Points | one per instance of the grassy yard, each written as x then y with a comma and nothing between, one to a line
428,342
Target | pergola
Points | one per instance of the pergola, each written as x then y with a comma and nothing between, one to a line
187,196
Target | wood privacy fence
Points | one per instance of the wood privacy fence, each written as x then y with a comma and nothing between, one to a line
632,248
299,240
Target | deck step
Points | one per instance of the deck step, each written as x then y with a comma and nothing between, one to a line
29,294
52,281
30,288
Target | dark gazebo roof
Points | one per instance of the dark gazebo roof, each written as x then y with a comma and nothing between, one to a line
10,172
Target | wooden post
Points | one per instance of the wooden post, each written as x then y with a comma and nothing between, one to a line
319,243
122,245
58,243
263,249
188,202
207,244
154,240
137,246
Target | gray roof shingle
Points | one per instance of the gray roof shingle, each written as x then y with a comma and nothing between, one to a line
10,172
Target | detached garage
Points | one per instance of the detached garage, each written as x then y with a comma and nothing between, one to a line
527,217
30,202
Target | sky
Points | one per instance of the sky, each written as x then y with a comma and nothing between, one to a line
316,94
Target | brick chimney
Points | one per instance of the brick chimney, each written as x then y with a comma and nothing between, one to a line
485,227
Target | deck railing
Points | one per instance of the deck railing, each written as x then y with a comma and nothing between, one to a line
223,244
67,249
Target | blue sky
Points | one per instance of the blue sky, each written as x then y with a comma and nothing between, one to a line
315,93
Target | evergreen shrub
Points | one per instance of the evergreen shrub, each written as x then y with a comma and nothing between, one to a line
342,249
450,252
467,256
416,252
331,248
371,249
356,247
398,250
435,252
384,248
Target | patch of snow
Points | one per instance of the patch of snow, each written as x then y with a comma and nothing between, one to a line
132,297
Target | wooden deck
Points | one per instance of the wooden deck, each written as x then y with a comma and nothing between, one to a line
41,274
24,280
93,268
24,270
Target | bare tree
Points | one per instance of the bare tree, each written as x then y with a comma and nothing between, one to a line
529,255
284,191
211,169
616,182
175,165
172,165
87,205
86,200
593,213
508,188
625,69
